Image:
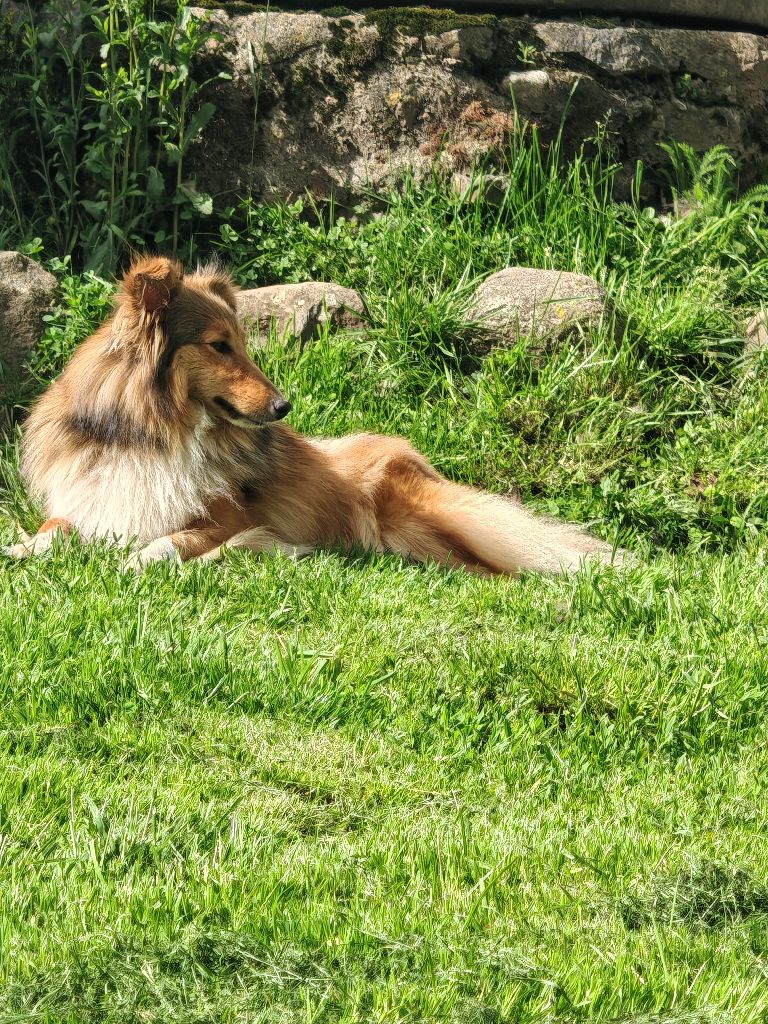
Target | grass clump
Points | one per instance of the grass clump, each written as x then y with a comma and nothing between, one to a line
706,895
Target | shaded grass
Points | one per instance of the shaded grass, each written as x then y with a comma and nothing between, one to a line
708,895
354,789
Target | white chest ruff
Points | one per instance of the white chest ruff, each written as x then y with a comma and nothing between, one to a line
137,494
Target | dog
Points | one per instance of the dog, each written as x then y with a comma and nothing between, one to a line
162,431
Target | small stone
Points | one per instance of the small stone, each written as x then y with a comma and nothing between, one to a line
299,309
530,89
492,188
522,301
26,293
757,333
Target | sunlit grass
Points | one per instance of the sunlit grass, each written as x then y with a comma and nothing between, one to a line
352,789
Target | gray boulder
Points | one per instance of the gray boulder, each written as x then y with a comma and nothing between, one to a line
655,84
26,293
299,309
541,304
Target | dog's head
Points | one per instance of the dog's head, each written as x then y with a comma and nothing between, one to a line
185,329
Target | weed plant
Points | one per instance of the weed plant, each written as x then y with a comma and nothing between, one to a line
99,121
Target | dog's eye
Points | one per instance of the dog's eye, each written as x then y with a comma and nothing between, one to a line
221,346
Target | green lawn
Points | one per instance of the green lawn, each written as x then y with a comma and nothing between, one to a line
352,789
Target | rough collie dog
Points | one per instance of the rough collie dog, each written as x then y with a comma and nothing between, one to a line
162,431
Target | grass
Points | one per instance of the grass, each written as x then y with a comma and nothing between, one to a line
351,789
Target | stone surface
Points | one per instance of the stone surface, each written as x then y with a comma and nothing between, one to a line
737,12
757,333
537,303
473,44
13,9
299,309
342,105
26,293
529,89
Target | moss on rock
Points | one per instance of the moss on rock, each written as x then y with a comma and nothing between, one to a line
422,21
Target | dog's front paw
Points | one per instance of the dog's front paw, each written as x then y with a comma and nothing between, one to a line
28,546
21,550
161,550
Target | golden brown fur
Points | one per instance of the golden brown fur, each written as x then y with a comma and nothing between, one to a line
161,429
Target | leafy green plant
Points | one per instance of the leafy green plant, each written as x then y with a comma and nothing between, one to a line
114,109
84,301
526,52
700,177
266,243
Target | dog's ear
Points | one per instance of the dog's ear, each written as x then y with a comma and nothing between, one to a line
146,290
151,282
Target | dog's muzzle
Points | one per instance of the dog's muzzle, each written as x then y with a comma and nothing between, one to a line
278,410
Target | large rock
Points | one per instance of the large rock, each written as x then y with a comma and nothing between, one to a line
26,293
299,309
542,304
339,104
701,87
736,63
344,104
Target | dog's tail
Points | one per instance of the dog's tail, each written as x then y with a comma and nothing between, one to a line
485,532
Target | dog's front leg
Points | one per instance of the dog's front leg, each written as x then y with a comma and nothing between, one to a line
208,543
41,541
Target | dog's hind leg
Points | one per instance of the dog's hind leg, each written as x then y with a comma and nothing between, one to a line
258,539
41,541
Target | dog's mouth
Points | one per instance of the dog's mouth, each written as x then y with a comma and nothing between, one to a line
234,415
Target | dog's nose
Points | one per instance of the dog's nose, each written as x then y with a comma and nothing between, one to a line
280,408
